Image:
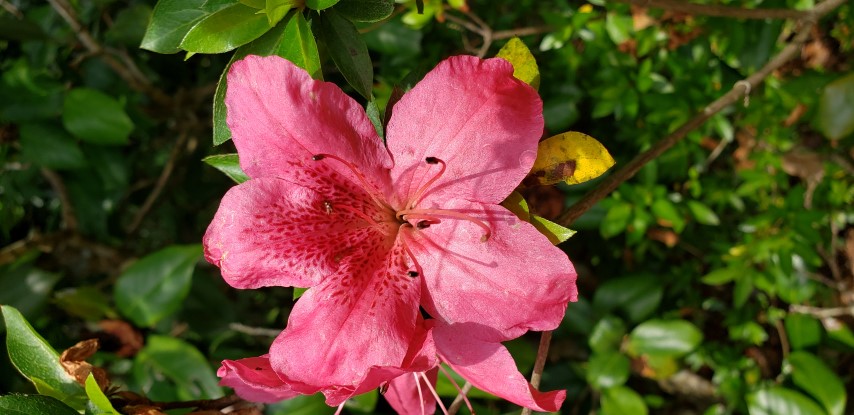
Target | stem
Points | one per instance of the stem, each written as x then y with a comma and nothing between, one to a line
717,11
540,363
741,88
159,186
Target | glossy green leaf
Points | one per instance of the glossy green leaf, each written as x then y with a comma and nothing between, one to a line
525,66
129,27
667,213
672,338
616,220
373,113
86,302
26,288
155,286
228,164
320,4
835,117
95,117
723,275
179,362
812,375
225,30
364,403
33,405
778,400
172,19
606,370
50,146
38,361
519,206
97,397
621,400
301,405
703,213
365,10
607,335
291,39
277,9
838,331
637,296
348,51
803,331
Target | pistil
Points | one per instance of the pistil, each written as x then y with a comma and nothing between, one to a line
433,215
423,189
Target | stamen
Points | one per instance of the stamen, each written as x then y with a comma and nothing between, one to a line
340,408
423,189
461,392
354,211
412,274
430,215
420,395
418,271
433,391
372,191
383,388
424,224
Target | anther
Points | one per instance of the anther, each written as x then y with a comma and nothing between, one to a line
412,274
383,388
432,160
327,207
423,224
318,157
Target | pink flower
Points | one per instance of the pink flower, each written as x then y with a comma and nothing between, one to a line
380,231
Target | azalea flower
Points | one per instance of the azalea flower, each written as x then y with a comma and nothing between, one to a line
380,232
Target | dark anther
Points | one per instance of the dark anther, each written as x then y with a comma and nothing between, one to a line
412,274
383,388
318,157
258,368
422,224
432,160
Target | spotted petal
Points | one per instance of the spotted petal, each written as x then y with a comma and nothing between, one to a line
253,379
362,317
278,114
475,116
514,281
272,232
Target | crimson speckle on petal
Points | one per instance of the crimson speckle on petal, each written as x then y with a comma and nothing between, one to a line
377,233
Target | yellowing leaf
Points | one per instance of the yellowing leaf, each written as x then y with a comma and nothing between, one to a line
525,66
556,233
571,157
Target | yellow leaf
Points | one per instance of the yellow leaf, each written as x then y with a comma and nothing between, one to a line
556,233
571,157
525,66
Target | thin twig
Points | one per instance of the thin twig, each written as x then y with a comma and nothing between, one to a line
158,187
522,31
740,88
460,399
69,219
540,363
220,403
822,313
254,331
718,11
784,338
124,67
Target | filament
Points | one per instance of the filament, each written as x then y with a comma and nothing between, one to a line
454,382
358,213
406,249
433,391
420,394
430,215
340,408
423,189
369,188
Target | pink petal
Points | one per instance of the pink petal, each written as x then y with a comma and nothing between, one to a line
253,379
474,115
468,349
403,396
362,317
279,115
271,232
514,282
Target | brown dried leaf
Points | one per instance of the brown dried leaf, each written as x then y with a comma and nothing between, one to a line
129,338
667,237
73,360
142,410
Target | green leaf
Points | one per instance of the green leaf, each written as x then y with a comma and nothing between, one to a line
50,146
301,405
703,213
33,405
172,19
365,10
228,164
778,400
129,27
364,403
607,335
38,361
320,4
837,330
97,397
225,30
348,51
666,211
606,370
179,362
373,113
723,275
638,296
621,400
556,233
85,302
525,66
96,118
291,39
277,9
671,338
155,286
616,220
835,117
812,375
26,288
803,331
